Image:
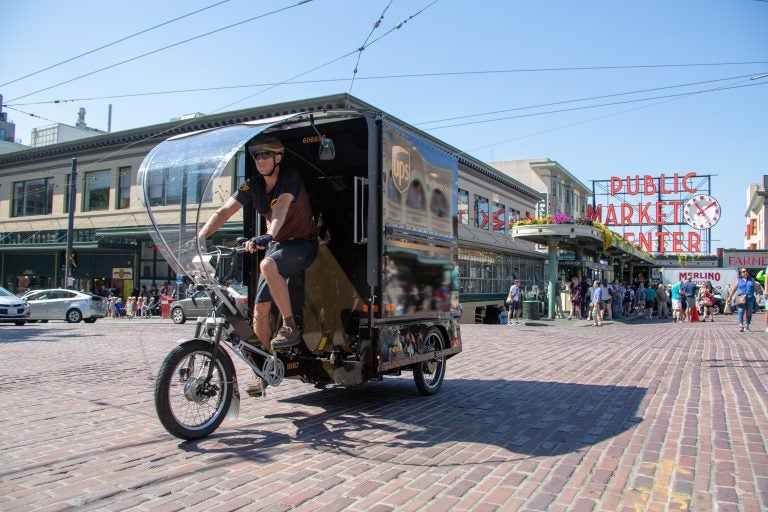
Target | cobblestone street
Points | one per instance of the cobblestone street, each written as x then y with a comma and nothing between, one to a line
546,416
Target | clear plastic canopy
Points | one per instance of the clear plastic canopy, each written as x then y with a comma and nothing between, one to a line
178,181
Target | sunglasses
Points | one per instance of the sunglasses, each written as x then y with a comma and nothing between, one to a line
263,155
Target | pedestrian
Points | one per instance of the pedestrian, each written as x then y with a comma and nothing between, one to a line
597,304
629,297
130,307
640,299
606,292
575,289
743,296
559,290
503,318
650,301
677,306
617,302
662,301
586,285
688,290
707,300
515,303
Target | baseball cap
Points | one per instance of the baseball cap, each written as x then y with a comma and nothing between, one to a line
266,144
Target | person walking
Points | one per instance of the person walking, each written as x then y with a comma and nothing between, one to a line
597,304
575,299
688,293
515,303
677,305
743,296
662,301
650,301
606,293
559,290
707,299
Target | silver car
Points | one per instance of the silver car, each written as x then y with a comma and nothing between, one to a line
200,304
12,308
69,305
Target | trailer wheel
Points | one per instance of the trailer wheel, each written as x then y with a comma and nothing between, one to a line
429,374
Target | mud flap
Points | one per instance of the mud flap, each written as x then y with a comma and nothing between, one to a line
234,405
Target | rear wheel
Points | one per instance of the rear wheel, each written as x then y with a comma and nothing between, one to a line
22,322
429,374
188,404
74,316
716,309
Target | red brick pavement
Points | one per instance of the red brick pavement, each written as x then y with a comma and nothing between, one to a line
554,416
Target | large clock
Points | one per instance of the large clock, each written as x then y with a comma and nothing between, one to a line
702,211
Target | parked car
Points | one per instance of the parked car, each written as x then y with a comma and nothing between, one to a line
69,305
200,305
12,308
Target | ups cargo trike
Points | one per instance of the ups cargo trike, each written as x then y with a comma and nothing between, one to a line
377,299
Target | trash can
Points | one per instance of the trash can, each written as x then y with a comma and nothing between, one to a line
165,306
531,309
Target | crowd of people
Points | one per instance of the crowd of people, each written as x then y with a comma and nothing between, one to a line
683,302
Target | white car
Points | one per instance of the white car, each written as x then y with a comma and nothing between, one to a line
69,305
12,308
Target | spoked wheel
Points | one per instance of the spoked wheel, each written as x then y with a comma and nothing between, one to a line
188,404
429,374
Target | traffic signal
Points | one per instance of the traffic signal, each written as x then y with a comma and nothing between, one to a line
73,259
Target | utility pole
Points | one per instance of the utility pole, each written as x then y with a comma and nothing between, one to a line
70,223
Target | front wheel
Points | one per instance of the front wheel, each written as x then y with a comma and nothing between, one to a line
189,404
429,374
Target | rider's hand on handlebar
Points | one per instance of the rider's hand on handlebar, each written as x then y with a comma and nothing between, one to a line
258,242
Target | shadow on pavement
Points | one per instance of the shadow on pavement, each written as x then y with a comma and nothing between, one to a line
390,418
30,332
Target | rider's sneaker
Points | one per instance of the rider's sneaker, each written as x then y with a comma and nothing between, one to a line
257,387
287,337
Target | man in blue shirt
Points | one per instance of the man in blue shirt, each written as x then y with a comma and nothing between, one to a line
688,289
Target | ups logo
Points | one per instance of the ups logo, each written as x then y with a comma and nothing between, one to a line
401,168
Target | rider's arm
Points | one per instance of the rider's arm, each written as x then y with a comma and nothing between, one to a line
218,218
279,212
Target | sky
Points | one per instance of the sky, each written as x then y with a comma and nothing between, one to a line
448,59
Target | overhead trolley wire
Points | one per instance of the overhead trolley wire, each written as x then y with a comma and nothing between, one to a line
362,47
468,116
379,77
169,130
613,114
199,36
114,42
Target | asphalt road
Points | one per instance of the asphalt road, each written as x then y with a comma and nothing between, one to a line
546,416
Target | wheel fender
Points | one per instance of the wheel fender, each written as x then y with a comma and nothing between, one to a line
234,406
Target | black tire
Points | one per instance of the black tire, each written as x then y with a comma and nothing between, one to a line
178,316
74,316
716,309
90,320
20,323
183,410
429,374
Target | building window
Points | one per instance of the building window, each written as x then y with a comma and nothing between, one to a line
514,216
123,188
96,191
32,197
490,272
166,187
464,207
499,222
239,170
481,213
